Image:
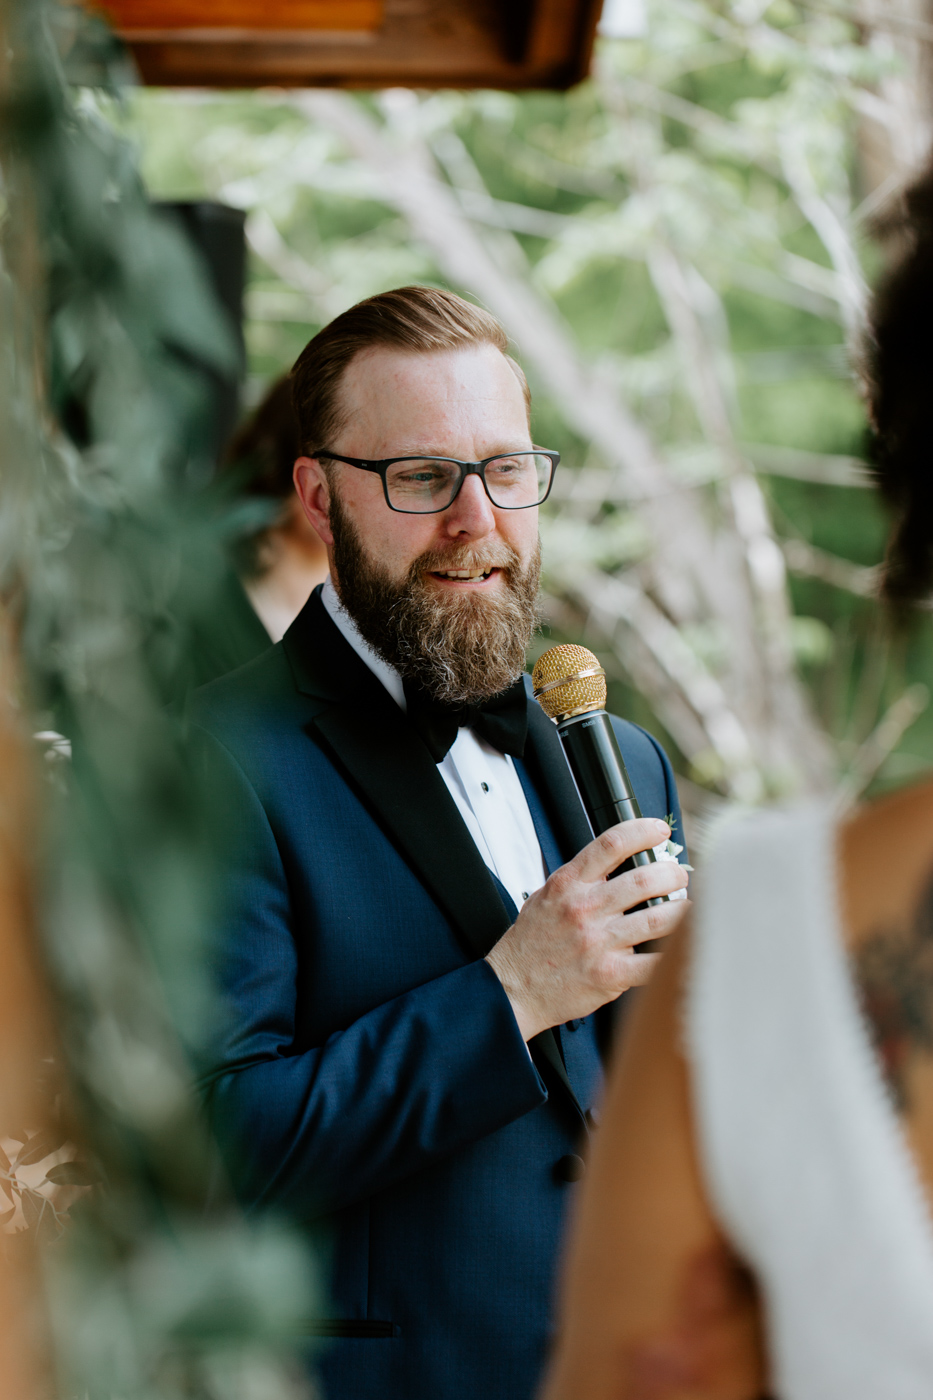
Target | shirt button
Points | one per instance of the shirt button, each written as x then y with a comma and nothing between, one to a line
569,1168
485,787
524,894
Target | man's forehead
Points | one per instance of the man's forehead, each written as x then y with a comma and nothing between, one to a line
414,396
463,369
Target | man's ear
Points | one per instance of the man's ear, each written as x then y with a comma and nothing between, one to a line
314,493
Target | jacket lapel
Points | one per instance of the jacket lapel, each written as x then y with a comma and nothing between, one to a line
387,763
546,1045
549,772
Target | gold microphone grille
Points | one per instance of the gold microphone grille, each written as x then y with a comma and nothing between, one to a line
568,680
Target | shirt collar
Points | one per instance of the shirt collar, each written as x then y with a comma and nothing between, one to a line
348,629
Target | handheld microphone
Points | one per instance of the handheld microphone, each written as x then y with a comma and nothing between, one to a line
570,686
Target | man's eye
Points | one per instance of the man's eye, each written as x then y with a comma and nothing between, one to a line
421,474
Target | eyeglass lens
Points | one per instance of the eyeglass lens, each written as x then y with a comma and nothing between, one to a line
430,484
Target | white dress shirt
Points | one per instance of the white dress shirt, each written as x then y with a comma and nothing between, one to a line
481,780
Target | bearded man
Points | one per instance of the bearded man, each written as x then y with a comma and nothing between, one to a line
420,948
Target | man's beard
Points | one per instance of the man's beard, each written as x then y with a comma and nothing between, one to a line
461,646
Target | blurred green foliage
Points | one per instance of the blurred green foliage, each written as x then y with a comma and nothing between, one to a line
691,131
110,552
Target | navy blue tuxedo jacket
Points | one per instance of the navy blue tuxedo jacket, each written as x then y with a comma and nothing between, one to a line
369,1068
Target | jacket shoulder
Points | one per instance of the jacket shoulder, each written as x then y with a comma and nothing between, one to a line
252,693
637,741
649,769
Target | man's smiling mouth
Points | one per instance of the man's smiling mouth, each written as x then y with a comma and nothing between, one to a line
465,575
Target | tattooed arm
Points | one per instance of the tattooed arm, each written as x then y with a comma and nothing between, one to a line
886,872
894,972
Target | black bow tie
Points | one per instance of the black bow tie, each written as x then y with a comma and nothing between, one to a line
501,721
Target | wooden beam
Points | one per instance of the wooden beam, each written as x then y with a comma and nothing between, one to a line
136,17
420,43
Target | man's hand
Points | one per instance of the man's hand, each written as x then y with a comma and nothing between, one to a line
572,947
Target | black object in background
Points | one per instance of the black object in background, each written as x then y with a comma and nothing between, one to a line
222,631
217,233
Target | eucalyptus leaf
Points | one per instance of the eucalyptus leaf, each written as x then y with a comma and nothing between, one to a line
72,1174
38,1147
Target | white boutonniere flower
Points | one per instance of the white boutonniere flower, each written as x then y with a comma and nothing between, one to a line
669,850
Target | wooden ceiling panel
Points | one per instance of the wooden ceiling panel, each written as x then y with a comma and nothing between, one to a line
134,17
359,43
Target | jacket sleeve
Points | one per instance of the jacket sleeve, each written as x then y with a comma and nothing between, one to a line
399,1089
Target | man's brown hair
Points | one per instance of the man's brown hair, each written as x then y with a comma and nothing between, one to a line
416,319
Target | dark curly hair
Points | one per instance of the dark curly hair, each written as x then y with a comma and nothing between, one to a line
899,365
258,463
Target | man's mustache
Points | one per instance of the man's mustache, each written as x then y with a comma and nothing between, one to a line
476,560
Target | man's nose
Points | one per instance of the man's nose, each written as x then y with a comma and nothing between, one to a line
472,512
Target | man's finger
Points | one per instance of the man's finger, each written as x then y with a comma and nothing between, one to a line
639,967
647,924
613,847
644,882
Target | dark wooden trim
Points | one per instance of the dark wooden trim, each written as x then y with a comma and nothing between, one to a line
420,44
132,16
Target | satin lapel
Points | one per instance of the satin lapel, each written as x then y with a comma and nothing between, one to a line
546,1046
388,764
397,778
553,856
548,770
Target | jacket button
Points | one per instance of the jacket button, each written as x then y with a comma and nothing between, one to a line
569,1168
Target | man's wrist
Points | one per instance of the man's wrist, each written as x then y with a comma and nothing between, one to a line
527,1021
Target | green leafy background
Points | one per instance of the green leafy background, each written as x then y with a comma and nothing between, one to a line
682,132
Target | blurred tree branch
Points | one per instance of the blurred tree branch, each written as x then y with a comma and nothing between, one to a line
708,170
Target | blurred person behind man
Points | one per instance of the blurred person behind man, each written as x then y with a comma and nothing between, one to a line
420,947
284,560
757,1217
275,565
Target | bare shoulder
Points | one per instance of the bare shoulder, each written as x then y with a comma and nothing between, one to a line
886,861
886,896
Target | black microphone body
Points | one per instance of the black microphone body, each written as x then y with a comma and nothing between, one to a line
600,774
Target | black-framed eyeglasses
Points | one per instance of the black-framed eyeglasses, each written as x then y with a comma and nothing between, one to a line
428,485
